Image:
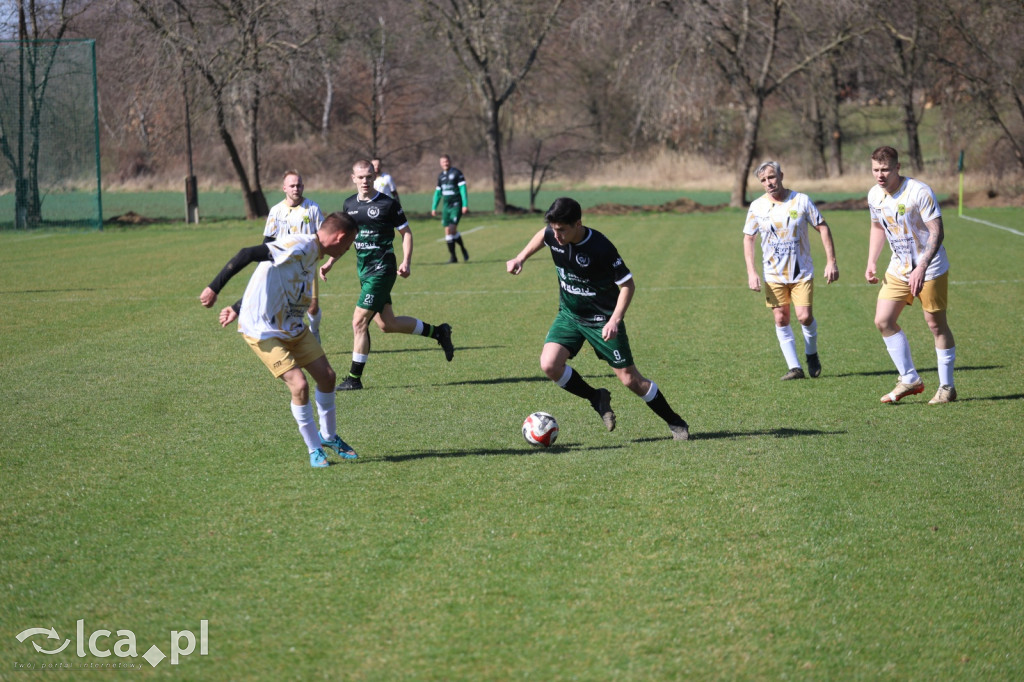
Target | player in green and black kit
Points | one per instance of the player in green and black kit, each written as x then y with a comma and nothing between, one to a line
596,288
379,217
451,188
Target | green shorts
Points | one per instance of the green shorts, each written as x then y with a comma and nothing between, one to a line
451,213
567,331
376,291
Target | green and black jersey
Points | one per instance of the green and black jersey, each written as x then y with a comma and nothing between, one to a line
378,219
451,188
589,276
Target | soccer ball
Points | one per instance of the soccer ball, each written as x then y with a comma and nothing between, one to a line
540,429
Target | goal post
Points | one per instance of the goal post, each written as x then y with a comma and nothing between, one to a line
49,135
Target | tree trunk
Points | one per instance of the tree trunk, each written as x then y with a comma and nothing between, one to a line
251,207
493,134
751,126
910,125
835,164
259,201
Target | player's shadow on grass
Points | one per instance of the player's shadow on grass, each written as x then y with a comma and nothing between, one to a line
891,372
432,349
48,291
560,448
470,263
726,435
1015,396
498,380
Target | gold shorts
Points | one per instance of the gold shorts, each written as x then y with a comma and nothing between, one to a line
281,355
778,295
934,294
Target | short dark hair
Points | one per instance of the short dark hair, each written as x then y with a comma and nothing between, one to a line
564,211
339,222
886,155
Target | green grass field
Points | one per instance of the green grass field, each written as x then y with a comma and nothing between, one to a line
153,476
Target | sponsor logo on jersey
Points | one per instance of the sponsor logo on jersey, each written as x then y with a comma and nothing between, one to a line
557,250
577,291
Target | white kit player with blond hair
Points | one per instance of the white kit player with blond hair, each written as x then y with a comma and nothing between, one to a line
782,217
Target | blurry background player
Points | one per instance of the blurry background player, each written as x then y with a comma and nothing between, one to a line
451,193
296,215
596,288
782,217
905,212
384,182
379,217
270,320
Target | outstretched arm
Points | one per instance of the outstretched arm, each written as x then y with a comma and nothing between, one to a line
515,266
251,254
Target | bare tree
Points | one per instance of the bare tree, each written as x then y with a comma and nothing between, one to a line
988,58
745,41
231,45
39,29
900,51
496,42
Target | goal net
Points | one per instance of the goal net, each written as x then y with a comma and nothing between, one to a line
49,135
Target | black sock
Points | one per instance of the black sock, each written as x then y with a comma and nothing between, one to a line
663,410
578,386
458,240
428,330
451,248
357,369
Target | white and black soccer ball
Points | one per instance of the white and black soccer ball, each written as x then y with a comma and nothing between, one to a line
540,429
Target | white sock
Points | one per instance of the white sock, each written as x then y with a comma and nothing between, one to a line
899,351
314,321
419,328
946,356
810,337
651,393
307,427
564,379
787,342
325,407
360,357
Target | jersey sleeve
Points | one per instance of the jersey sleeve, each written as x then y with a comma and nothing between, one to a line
316,217
928,205
270,229
750,226
620,271
814,217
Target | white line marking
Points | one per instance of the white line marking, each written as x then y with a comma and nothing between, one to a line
470,231
998,227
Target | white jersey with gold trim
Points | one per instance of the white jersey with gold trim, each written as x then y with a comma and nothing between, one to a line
302,219
385,184
903,216
280,290
785,245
